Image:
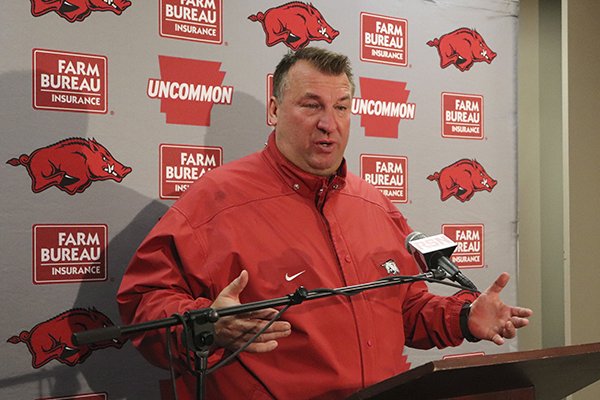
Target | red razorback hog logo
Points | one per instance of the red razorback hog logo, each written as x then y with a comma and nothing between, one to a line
462,179
52,339
77,10
71,165
462,47
295,24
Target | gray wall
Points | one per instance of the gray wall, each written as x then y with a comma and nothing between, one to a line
558,173
135,125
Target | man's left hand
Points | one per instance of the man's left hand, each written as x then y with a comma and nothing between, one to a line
491,319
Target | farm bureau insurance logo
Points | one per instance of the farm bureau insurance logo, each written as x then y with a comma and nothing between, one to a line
71,165
462,116
77,10
182,165
65,81
386,173
69,253
382,105
469,238
296,24
383,39
196,20
188,89
53,339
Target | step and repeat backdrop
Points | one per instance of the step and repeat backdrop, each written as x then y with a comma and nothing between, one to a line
111,109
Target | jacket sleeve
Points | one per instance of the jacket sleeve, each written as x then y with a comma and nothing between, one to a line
431,320
157,284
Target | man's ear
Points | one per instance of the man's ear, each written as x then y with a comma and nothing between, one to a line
273,109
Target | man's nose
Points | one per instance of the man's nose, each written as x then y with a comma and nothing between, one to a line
327,122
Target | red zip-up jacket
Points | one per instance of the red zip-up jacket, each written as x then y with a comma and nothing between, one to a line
263,214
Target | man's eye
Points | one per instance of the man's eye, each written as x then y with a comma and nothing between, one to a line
311,105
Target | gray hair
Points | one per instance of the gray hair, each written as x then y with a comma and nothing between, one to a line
327,62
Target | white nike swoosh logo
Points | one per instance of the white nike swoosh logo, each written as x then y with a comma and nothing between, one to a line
291,278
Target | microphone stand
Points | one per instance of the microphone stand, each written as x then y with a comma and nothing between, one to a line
199,324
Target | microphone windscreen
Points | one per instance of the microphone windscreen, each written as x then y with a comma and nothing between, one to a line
410,237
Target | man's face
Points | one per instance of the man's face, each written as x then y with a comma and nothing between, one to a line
312,119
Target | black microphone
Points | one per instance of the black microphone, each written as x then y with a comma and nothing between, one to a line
432,252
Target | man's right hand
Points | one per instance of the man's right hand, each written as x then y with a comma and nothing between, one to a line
234,331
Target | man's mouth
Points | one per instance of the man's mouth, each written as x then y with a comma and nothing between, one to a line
325,145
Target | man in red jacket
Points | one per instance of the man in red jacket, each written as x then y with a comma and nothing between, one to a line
292,215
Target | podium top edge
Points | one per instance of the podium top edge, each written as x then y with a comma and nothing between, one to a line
513,357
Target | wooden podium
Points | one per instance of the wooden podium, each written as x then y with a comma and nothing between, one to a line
552,373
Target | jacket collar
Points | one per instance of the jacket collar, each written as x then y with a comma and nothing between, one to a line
306,184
